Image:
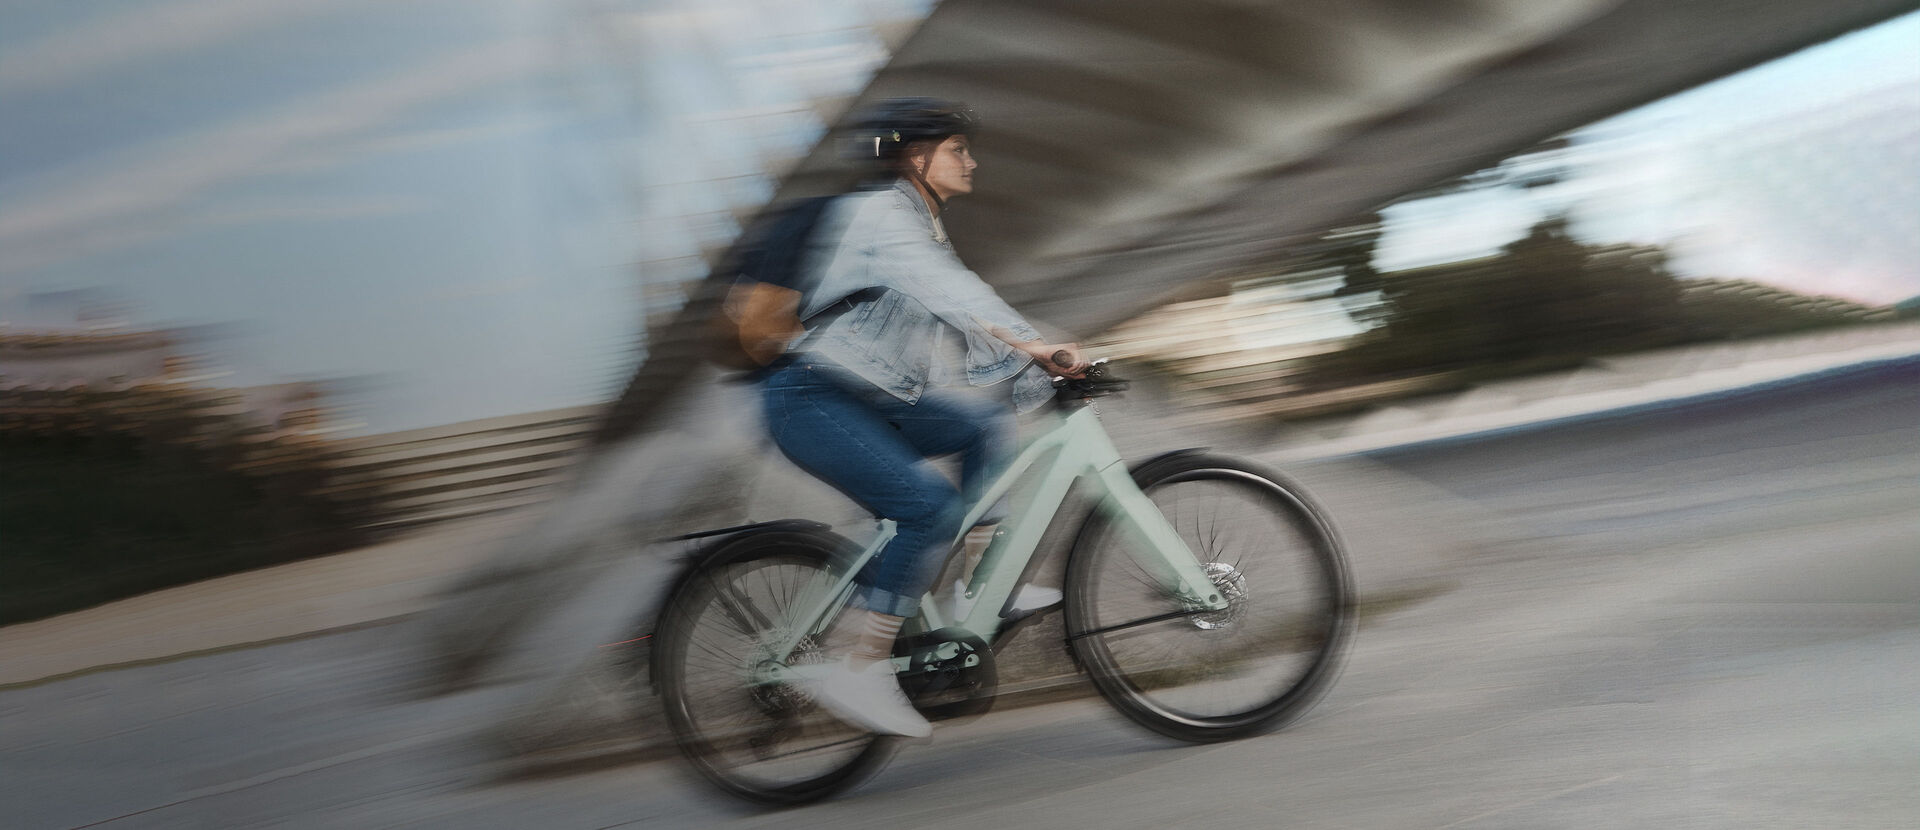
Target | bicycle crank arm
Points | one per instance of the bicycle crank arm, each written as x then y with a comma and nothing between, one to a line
770,673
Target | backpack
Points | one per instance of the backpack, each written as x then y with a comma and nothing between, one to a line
761,313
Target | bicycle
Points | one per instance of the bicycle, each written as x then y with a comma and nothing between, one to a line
1160,630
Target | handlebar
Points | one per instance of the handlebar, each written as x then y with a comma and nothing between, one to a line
1095,383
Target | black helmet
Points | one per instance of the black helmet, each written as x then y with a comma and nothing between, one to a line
882,131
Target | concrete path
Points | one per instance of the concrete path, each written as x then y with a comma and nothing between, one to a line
379,583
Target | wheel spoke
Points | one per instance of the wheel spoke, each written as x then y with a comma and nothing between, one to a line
737,608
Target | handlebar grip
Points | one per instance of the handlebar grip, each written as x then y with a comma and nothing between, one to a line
1062,359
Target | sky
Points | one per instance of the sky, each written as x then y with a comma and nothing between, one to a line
450,205
454,204
350,200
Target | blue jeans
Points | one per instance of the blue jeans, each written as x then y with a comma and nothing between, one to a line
875,449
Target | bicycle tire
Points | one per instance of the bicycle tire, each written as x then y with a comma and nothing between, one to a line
1291,614
711,633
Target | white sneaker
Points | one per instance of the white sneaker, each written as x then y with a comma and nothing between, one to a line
869,698
1027,600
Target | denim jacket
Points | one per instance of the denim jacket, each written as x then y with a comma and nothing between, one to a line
879,257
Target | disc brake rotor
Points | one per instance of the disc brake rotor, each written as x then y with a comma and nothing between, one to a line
1232,586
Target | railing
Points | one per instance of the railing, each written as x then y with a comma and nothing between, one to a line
461,470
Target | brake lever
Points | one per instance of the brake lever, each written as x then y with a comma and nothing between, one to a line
1095,370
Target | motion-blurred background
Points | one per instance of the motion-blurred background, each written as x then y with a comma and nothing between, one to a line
279,239
281,279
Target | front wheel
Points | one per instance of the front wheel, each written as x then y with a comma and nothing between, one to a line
767,743
1201,675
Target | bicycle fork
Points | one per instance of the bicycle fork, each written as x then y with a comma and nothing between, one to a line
1157,547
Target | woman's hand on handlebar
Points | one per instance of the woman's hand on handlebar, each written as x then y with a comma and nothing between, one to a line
1049,356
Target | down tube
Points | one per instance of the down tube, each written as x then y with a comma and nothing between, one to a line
1005,560
1160,550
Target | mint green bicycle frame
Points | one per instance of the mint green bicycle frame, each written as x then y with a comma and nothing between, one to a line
1077,449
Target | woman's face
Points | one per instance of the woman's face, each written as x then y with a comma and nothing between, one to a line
948,167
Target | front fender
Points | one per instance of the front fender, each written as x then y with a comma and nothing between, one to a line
1144,470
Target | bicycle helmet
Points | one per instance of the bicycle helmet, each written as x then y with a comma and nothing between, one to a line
881,133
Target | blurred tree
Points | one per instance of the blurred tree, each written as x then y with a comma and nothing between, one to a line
1349,249
1737,309
105,495
1546,299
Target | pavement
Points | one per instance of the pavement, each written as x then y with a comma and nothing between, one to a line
330,593
400,578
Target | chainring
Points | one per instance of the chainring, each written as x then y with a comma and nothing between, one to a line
961,684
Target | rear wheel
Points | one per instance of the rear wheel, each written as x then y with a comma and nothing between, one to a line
770,744
1214,675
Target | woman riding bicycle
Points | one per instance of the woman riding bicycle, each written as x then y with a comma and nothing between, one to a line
908,355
